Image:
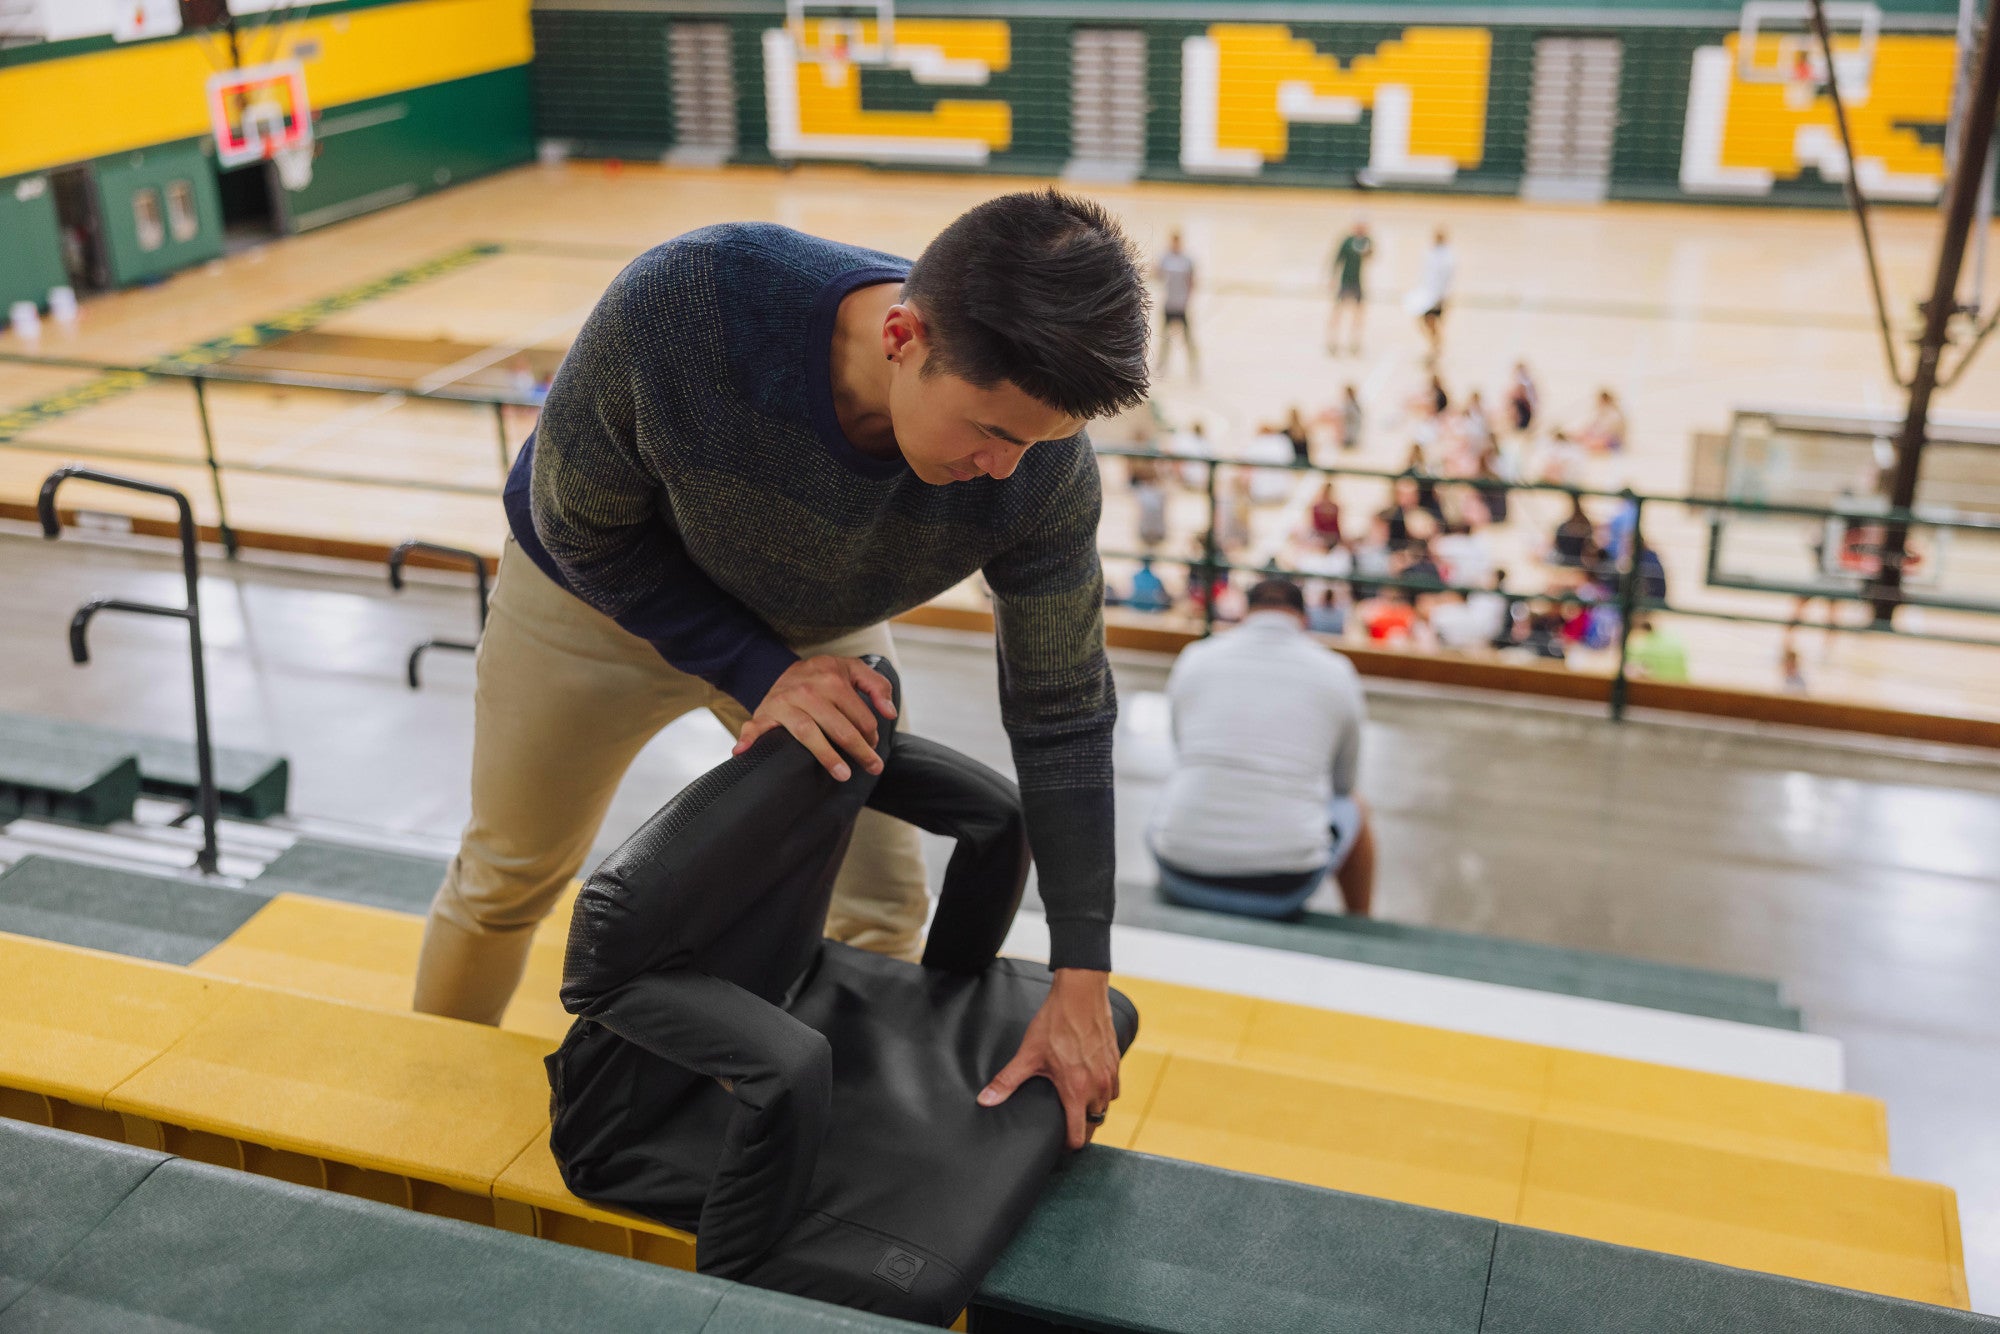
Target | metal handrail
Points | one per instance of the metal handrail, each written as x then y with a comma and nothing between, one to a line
207,801
399,557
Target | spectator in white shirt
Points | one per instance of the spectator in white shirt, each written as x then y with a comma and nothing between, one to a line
1261,808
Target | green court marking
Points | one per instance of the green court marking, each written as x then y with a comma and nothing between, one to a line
113,384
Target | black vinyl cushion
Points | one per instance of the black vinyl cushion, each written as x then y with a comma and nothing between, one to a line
805,1107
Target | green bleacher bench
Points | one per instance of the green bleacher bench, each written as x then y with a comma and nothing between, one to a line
392,880
252,785
1128,1242
102,1236
167,918
84,785
1640,982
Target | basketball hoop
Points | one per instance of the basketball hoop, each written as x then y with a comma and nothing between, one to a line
1789,54
261,113
295,167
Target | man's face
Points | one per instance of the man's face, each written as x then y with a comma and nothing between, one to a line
950,430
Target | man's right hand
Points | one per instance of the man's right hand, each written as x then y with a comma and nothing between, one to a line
824,701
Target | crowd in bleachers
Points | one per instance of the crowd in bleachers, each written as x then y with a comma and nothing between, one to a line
1420,558
1415,559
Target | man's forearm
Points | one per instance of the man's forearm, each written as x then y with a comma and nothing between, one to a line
1072,833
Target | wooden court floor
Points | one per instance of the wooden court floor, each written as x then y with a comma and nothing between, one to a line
1685,312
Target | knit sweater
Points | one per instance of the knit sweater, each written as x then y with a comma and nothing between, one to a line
689,479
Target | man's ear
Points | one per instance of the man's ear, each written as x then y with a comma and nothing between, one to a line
902,327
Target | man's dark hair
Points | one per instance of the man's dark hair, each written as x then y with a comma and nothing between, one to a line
1040,290
1277,595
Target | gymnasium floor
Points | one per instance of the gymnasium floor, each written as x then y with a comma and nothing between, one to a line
1863,876
1686,312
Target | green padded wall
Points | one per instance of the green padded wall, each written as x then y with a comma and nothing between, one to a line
385,150
30,246
122,177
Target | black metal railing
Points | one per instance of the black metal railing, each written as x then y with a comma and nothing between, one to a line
207,801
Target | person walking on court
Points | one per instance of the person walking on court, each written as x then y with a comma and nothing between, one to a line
1349,259
1261,807
1176,274
761,447
1432,294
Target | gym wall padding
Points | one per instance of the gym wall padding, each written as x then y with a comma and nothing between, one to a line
988,85
410,96
120,181
387,150
31,255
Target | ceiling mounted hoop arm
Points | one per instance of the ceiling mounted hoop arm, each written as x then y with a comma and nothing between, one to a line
1851,178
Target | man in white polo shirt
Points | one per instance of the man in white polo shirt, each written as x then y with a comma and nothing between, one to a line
1267,723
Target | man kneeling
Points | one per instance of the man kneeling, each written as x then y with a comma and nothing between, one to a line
1267,723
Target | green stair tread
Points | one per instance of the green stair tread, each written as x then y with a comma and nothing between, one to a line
1126,1241
1606,983
1543,1283
35,762
746,1310
356,875
88,784
54,1191
121,1239
251,783
1758,989
164,918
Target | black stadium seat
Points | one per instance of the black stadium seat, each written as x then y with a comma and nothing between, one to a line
805,1107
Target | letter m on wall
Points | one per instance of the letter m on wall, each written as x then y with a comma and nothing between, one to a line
1244,85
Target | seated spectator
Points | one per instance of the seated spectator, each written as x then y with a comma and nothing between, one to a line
1295,433
1192,442
1560,462
1493,609
1372,556
1151,498
1652,573
1387,618
1604,431
1325,615
1415,564
1232,511
1148,592
1262,807
1574,538
1464,556
1476,426
1325,519
1269,486
1540,631
1654,653
1457,624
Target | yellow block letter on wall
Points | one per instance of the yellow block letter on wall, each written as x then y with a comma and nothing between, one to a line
1741,138
812,90
1243,85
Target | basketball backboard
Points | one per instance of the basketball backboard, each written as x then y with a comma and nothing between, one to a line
260,113
1775,43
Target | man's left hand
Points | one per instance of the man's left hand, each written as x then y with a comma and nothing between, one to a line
1070,1042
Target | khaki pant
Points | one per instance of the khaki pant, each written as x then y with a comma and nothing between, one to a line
565,700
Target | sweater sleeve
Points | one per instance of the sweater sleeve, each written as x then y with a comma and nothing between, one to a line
602,513
1059,705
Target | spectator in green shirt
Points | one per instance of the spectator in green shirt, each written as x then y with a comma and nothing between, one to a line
1348,261
1655,654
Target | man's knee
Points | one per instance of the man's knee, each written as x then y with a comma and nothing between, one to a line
491,899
